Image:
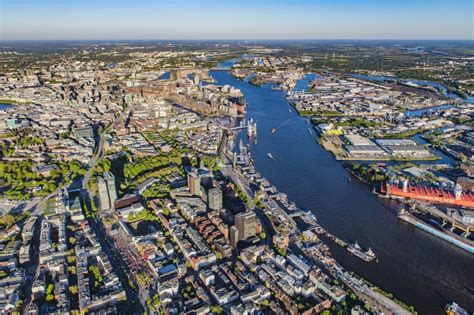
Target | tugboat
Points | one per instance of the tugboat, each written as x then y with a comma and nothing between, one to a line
359,252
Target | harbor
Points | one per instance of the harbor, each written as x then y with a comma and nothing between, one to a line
313,179
443,234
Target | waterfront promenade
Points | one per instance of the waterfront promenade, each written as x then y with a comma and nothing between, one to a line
412,264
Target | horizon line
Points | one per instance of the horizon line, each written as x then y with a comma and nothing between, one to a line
235,39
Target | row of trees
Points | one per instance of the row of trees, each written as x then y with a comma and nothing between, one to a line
147,164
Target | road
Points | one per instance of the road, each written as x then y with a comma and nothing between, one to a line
117,263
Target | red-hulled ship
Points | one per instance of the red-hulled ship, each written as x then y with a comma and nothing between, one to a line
431,194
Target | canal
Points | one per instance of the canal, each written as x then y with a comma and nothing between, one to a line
418,268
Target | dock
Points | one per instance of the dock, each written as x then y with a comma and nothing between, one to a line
448,236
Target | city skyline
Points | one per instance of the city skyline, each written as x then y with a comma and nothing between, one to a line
342,19
236,157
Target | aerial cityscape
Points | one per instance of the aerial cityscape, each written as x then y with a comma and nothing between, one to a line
156,161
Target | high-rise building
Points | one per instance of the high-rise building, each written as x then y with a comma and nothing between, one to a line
194,184
245,224
214,199
85,132
110,180
103,194
233,236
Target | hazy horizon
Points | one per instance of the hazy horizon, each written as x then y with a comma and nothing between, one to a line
228,20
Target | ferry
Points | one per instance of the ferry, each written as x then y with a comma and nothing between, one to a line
270,156
359,252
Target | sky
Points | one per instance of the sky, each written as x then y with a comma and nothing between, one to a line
237,19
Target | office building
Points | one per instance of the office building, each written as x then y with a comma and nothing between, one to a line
85,132
110,180
103,194
246,223
233,236
214,199
194,184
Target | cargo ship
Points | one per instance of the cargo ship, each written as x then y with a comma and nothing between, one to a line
359,252
430,194
450,237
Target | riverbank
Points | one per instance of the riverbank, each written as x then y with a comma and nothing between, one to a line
412,264
429,85
335,145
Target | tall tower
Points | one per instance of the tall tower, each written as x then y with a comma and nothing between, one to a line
246,224
214,199
110,180
103,194
194,184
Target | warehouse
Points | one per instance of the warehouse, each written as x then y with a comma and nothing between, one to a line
365,151
357,140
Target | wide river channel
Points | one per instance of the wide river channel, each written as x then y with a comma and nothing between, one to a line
416,267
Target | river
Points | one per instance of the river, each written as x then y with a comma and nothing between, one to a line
5,106
418,268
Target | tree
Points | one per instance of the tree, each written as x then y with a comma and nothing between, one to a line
71,259
216,310
98,279
73,289
72,270
50,294
72,240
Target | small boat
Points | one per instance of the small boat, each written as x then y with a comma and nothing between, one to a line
455,309
270,156
309,130
289,111
349,179
274,130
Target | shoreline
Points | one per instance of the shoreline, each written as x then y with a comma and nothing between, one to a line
380,277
